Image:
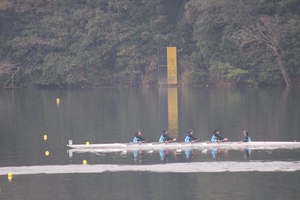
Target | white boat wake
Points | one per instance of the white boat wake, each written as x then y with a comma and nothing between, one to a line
209,167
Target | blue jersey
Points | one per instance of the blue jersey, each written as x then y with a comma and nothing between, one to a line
161,139
189,137
135,140
138,139
247,139
215,138
164,137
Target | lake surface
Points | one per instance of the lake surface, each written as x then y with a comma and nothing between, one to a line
111,115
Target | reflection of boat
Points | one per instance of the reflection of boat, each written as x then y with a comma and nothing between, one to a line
115,147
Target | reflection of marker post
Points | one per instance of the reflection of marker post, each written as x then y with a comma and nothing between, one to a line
9,176
57,101
168,110
173,111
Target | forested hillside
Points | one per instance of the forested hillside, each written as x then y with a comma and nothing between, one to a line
115,42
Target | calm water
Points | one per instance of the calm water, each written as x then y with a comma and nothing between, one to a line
113,115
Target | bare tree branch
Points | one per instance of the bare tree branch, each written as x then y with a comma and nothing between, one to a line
264,32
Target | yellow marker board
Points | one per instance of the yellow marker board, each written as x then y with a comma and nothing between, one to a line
172,65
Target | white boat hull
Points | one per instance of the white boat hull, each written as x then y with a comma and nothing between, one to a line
177,145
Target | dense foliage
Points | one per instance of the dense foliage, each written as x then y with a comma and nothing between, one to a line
115,42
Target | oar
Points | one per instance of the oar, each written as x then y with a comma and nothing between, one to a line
146,140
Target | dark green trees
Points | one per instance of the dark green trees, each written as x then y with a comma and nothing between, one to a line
114,42
253,37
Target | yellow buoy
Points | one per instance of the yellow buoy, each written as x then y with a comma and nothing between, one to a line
87,143
57,101
9,176
45,137
47,153
84,162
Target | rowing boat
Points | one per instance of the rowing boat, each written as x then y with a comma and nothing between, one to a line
180,145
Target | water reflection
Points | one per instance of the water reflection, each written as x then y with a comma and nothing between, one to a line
136,185
168,110
190,153
112,115
167,155
247,154
180,156
218,153
137,155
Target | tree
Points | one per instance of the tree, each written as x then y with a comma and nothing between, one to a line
265,33
100,42
223,28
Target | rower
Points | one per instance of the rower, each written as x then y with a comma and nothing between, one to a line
216,138
189,137
165,137
247,139
138,139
